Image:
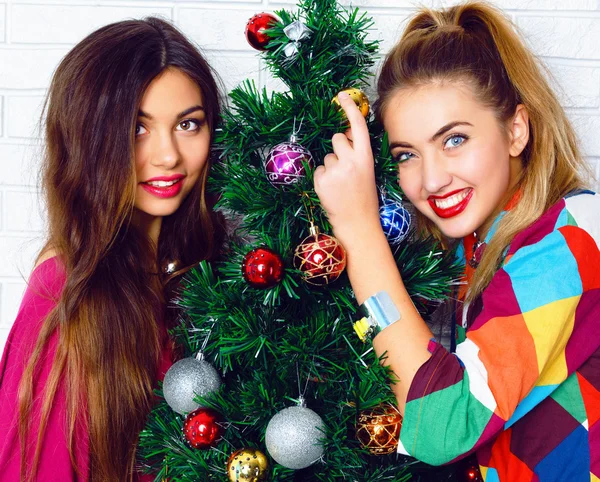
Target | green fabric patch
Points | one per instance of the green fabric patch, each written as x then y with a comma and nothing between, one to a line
461,334
568,396
444,424
571,220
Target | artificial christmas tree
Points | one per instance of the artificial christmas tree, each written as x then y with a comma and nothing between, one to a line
300,393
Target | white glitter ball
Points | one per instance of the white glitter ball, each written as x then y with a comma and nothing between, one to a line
293,437
187,378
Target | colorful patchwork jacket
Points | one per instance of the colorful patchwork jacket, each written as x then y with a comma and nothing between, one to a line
522,390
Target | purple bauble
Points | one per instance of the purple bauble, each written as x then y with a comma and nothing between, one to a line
284,165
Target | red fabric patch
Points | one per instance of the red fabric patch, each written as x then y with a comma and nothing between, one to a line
509,467
591,400
584,250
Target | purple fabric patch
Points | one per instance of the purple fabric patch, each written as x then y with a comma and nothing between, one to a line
442,370
498,300
581,345
431,345
541,431
494,426
590,370
538,230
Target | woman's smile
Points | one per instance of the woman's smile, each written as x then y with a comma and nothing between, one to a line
164,186
451,204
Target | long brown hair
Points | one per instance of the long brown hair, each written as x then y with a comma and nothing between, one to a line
475,44
109,342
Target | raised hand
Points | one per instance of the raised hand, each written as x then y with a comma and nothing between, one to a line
345,183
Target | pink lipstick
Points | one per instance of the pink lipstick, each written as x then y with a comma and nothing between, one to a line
164,186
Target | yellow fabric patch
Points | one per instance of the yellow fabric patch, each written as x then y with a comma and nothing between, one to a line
593,478
551,326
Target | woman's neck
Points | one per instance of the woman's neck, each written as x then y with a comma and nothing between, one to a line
148,224
511,196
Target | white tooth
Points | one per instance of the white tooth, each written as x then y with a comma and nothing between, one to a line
451,201
161,183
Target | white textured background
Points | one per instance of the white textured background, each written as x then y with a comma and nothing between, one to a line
35,35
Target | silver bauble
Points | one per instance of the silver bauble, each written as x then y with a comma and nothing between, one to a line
293,437
186,379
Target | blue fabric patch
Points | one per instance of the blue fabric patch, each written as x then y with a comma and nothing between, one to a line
492,475
562,219
569,461
534,397
494,227
544,272
460,253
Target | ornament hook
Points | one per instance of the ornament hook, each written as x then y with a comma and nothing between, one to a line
295,132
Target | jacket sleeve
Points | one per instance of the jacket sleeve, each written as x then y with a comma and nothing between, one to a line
535,329
40,298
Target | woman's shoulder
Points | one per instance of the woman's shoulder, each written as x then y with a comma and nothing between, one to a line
42,293
582,209
576,215
47,277
44,256
41,296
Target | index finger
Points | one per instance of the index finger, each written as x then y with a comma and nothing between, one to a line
358,125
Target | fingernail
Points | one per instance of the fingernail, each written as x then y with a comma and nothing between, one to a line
343,95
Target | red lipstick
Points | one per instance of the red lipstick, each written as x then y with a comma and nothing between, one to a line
451,211
164,192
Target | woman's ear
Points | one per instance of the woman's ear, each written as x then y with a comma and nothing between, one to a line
519,131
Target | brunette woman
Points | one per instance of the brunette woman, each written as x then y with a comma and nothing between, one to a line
129,121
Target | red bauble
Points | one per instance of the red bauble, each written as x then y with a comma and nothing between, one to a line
202,428
262,268
255,30
320,257
472,474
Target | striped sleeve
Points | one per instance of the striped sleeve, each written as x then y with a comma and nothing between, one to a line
535,329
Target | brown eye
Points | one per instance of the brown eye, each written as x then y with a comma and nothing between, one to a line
139,130
188,125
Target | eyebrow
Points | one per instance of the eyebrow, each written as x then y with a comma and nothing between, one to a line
194,108
436,136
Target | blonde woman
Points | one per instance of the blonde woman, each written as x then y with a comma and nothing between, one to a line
487,156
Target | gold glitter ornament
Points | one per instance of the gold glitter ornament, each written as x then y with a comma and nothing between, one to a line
359,98
248,465
378,430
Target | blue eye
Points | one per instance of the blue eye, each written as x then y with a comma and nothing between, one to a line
403,156
454,141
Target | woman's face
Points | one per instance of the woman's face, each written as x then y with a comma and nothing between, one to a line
456,161
171,146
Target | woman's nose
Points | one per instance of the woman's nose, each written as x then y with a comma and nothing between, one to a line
435,174
166,152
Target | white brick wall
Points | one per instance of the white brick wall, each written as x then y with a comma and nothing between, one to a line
36,34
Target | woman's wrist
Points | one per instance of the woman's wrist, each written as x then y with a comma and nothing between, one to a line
357,235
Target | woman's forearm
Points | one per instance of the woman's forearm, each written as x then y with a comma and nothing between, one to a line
372,268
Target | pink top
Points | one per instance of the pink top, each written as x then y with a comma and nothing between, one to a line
42,294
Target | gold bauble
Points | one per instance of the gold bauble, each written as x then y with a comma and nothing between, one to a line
378,430
247,465
359,98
